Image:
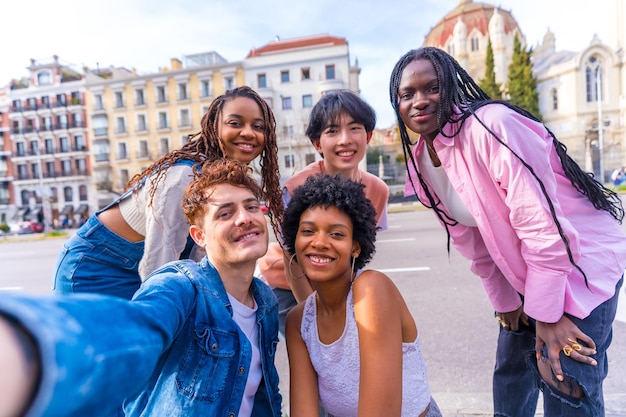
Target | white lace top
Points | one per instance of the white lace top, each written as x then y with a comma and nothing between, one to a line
338,366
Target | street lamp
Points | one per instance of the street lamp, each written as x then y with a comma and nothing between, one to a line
600,122
45,202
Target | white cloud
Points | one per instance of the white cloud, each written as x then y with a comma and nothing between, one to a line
145,34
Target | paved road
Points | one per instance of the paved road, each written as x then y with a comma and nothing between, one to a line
452,312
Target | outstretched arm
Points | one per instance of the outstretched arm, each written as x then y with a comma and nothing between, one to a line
378,310
20,364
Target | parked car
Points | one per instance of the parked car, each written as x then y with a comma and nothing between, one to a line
23,228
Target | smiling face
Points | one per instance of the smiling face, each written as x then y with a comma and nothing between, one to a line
342,144
324,244
241,129
233,229
418,95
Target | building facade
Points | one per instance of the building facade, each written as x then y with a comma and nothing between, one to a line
581,93
49,145
292,75
135,119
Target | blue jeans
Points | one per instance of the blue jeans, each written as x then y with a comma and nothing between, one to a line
515,386
96,260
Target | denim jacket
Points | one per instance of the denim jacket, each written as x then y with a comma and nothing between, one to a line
174,350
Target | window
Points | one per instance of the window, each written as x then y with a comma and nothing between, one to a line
141,123
35,170
284,76
143,149
64,143
475,44
43,78
22,173
163,120
307,100
50,171
77,120
62,121
593,79
185,120
31,103
184,139
139,97
66,167
270,102
229,83
68,194
288,130
286,103
290,161
330,72
47,123
182,91
262,80
49,145
21,149
124,177
82,193
164,145
205,87
34,147
121,151
555,99
79,143
306,73
120,125
81,166
309,158
161,96
45,102
98,104
119,99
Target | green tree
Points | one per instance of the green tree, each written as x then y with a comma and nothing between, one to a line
522,84
489,84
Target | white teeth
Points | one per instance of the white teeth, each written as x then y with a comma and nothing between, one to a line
245,145
345,153
247,236
320,260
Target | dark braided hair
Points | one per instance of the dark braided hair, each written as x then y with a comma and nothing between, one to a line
204,147
323,190
458,90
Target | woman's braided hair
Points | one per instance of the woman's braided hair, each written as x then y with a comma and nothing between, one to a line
458,90
204,147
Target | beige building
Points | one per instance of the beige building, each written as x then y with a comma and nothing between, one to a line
135,119
576,88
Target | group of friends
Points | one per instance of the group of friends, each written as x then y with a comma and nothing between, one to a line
160,312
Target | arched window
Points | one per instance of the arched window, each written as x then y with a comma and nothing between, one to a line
555,99
68,194
82,192
594,79
475,43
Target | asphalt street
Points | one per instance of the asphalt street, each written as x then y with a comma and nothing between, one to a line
455,320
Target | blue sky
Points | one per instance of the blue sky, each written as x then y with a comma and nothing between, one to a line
145,34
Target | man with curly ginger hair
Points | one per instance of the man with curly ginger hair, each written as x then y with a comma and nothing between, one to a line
197,339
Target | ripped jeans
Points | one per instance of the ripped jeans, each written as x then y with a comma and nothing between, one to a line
516,380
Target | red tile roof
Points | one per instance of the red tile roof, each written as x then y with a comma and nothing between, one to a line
297,43
474,15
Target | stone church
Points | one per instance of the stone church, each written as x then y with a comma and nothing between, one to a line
582,94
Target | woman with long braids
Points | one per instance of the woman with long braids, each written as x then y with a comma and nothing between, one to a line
543,236
146,227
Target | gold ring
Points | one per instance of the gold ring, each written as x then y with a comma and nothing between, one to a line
575,345
567,349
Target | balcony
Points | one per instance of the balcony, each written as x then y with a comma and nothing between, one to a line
101,157
100,131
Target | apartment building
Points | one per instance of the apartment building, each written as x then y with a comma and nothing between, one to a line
136,119
6,178
292,75
49,145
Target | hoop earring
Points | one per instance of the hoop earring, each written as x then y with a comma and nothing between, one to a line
290,271
353,261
